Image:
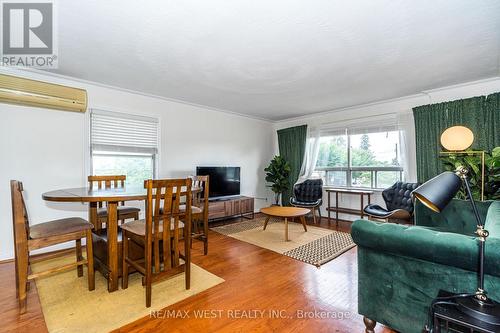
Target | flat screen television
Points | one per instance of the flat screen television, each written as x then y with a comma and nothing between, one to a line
223,181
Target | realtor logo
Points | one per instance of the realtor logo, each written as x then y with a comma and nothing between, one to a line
28,32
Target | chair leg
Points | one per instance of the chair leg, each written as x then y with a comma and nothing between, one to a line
28,282
205,236
314,214
369,325
187,260
319,213
149,269
124,260
17,275
22,297
148,289
90,261
79,257
194,228
22,273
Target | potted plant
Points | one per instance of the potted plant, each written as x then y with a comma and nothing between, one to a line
473,164
492,186
277,174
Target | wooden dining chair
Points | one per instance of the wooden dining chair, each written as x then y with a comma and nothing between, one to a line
199,210
106,182
159,234
28,238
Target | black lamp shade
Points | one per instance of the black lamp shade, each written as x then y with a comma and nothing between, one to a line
438,191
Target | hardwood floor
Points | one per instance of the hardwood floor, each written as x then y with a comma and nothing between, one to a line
264,292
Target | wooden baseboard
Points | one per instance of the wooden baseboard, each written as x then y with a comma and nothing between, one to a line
6,261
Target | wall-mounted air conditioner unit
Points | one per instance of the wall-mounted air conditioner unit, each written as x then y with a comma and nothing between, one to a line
16,90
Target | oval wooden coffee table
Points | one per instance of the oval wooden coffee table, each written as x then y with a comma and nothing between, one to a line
286,213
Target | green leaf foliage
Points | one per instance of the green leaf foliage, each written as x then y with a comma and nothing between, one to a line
277,173
473,163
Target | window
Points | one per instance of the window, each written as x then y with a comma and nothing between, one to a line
123,144
360,159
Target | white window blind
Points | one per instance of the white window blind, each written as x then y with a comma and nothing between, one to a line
119,132
365,125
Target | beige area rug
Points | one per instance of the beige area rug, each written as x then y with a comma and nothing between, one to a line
68,305
317,246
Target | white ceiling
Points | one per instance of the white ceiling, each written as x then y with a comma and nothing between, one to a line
279,59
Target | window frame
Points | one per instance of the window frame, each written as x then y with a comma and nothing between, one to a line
154,156
350,169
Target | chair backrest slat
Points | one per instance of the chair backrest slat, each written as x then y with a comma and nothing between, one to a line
162,208
200,197
107,181
115,180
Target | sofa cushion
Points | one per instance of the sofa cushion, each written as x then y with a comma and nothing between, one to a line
59,227
295,202
458,216
428,244
103,212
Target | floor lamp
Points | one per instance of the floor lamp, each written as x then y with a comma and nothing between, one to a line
435,194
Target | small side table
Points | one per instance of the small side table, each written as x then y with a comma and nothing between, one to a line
285,213
337,209
447,318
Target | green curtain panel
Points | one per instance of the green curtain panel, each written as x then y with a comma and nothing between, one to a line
481,114
492,118
292,146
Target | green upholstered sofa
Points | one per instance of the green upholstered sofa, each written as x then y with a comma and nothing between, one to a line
401,268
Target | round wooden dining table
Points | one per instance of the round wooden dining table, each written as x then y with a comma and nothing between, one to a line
112,197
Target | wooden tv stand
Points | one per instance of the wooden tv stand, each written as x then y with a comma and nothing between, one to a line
231,207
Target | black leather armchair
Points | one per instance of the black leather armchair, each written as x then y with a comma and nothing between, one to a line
398,201
308,195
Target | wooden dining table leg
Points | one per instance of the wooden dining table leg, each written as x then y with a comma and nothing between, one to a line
112,232
93,215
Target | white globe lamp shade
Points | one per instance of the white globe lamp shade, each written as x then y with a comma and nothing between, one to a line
457,138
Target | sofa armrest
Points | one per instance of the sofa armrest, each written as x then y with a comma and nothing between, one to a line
424,243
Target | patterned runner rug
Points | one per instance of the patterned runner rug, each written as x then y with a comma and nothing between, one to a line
317,246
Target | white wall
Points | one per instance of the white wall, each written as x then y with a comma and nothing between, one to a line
399,105
49,149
